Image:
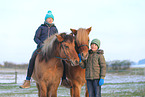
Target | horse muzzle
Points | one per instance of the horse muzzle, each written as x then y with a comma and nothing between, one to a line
74,63
84,56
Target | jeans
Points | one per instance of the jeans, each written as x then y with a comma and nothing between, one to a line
93,88
31,65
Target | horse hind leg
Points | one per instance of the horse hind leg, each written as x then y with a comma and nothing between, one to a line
76,90
71,91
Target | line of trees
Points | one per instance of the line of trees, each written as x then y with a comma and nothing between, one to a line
112,65
13,65
119,65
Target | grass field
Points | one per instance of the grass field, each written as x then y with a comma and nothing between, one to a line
132,89
120,84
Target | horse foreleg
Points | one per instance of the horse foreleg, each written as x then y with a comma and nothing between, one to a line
87,93
52,91
43,89
37,85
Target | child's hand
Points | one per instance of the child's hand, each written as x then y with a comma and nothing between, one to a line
79,57
101,82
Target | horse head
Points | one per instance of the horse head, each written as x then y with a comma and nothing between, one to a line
67,49
82,41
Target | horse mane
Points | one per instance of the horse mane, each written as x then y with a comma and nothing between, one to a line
51,46
48,51
48,43
81,32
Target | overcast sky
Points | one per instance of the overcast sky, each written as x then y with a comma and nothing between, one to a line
119,24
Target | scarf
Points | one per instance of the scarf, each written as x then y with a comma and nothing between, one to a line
48,24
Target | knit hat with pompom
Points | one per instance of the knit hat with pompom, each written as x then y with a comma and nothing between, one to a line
49,15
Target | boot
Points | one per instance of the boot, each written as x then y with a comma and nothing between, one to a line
26,84
66,83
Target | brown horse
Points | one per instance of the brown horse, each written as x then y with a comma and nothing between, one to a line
48,68
76,74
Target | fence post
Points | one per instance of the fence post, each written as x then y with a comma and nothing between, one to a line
16,77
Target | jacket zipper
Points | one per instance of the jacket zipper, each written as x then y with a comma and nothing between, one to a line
48,31
92,68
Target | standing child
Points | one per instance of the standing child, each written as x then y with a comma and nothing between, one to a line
95,67
43,32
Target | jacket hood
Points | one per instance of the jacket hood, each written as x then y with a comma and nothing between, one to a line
99,51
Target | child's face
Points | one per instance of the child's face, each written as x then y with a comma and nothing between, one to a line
49,20
94,47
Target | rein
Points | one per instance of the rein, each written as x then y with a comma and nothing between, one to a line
61,58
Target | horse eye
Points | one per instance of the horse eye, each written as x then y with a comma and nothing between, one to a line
66,46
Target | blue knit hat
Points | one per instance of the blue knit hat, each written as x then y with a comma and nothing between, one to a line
49,15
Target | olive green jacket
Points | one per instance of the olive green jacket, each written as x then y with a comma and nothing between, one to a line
95,65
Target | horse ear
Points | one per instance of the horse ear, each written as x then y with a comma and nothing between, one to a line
74,31
59,38
89,29
71,34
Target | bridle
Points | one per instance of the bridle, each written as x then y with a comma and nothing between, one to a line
67,57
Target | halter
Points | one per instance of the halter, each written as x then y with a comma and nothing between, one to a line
65,55
80,46
83,45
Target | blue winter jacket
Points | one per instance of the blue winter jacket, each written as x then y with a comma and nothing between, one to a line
43,32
